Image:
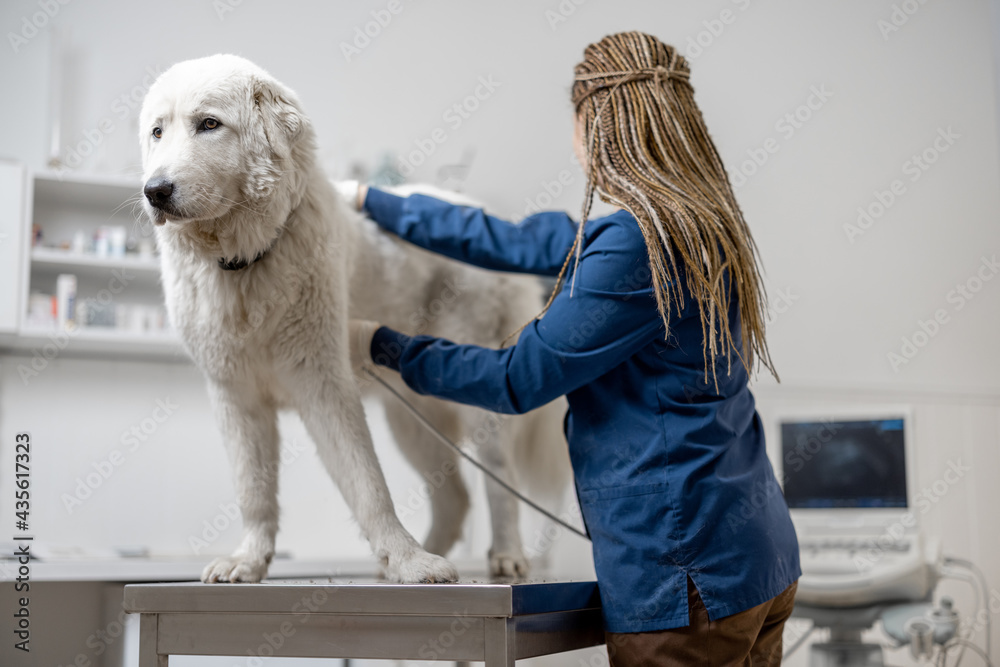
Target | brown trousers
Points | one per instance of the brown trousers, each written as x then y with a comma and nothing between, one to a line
751,638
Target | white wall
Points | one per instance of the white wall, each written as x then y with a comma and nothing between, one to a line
841,307
889,99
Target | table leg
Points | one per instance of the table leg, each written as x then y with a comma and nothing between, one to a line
147,642
499,643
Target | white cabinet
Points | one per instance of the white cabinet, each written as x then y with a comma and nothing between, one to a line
13,197
78,225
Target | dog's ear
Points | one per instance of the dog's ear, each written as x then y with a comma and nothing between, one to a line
278,113
275,125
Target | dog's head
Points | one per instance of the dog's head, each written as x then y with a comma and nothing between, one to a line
222,141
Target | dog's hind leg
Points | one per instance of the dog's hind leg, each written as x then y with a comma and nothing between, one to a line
331,409
249,429
492,438
437,464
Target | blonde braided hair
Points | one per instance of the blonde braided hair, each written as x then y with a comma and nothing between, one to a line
650,153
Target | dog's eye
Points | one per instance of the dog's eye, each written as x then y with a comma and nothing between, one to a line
209,124
157,132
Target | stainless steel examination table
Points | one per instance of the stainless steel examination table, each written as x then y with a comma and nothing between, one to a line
362,618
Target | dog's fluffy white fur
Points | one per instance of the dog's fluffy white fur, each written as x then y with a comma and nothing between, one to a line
273,335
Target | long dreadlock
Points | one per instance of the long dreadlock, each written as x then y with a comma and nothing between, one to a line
650,153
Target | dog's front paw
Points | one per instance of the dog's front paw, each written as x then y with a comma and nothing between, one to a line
508,565
234,569
420,567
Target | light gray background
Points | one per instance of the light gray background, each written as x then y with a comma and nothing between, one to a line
843,306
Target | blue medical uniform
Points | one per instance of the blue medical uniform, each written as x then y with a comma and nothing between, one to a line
671,472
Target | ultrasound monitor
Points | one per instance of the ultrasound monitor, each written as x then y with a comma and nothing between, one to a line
844,464
849,468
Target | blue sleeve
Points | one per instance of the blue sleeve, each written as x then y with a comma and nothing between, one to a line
611,316
537,245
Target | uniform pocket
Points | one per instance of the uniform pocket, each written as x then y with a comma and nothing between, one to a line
622,491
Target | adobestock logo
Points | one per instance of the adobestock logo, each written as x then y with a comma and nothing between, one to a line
787,125
38,21
899,16
713,29
915,167
363,35
927,329
455,115
131,440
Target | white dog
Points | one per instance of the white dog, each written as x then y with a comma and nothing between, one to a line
261,262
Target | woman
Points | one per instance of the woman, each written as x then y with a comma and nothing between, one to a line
651,334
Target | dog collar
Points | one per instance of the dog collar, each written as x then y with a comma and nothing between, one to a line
239,262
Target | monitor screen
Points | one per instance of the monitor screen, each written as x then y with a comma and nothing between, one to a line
848,463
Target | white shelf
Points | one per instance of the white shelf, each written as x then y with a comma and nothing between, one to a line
88,190
64,204
67,259
107,334
91,179
86,341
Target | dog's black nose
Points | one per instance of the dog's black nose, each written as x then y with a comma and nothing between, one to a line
158,191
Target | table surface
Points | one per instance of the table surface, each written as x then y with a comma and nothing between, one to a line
188,568
359,595
356,617
165,569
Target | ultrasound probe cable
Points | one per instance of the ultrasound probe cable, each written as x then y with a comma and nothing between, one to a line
443,438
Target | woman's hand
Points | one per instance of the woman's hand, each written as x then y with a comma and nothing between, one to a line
360,334
353,192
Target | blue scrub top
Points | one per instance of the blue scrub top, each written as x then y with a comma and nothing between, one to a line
671,473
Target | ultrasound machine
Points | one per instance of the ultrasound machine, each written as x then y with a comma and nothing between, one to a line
848,478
